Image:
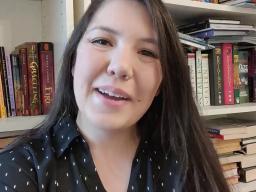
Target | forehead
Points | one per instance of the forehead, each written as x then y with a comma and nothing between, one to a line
126,16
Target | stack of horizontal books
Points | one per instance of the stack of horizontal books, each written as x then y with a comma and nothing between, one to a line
235,143
221,31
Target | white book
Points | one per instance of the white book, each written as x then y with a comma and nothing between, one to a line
227,21
233,2
234,158
244,187
199,78
192,70
206,81
248,161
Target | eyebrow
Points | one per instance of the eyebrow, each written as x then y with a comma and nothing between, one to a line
109,30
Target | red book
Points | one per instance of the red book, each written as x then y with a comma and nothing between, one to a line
33,78
47,83
24,81
228,73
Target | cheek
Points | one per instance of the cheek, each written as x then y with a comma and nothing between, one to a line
149,80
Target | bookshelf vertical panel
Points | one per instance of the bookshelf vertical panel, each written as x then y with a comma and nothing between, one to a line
57,26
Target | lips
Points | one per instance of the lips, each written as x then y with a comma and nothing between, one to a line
113,93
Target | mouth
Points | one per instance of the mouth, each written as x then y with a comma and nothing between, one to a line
114,94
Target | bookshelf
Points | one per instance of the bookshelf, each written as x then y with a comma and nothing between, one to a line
34,20
55,20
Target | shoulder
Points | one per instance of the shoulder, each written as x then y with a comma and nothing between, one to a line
19,164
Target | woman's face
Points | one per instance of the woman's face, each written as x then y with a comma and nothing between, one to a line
117,71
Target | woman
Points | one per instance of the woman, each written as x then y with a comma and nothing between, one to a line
124,118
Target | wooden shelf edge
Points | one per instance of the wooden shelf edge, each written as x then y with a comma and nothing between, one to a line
211,6
227,109
20,123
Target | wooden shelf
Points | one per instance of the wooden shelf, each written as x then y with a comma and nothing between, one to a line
228,109
20,123
185,11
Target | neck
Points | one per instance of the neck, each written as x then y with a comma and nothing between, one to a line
117,141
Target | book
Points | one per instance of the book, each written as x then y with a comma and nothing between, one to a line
229,166
10,86
233,39
230,173
199,78
2,104
252,74
230,158
248,140
249,148
5,85
16,73
47,83
237,81
245,187
192,70
248,161
243,75
225,149
215,75
228,73
205,80
33,78
214,33
225,126
24,80
247,174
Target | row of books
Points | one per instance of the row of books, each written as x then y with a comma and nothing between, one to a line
26,79
225,75
239,3
235,143
220,30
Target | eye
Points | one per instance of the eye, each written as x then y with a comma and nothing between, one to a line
102,42
149,53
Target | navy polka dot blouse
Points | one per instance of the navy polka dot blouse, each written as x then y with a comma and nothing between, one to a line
60,161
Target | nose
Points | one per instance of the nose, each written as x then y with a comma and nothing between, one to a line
121,64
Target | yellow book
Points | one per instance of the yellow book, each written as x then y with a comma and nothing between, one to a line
2,105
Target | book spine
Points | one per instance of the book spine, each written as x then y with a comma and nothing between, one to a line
192,69
16,83
5,82
215,72
10,83
199,78
228,74
206,83
33,79
243,74
24,81
204,34
252,74
47,83
236,75
2,104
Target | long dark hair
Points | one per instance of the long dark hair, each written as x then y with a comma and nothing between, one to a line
172,119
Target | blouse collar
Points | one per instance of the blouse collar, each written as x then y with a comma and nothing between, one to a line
64,132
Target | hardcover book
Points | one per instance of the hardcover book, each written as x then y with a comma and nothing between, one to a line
243,75
47,83
228,73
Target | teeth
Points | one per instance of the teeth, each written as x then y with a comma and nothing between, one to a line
111,94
